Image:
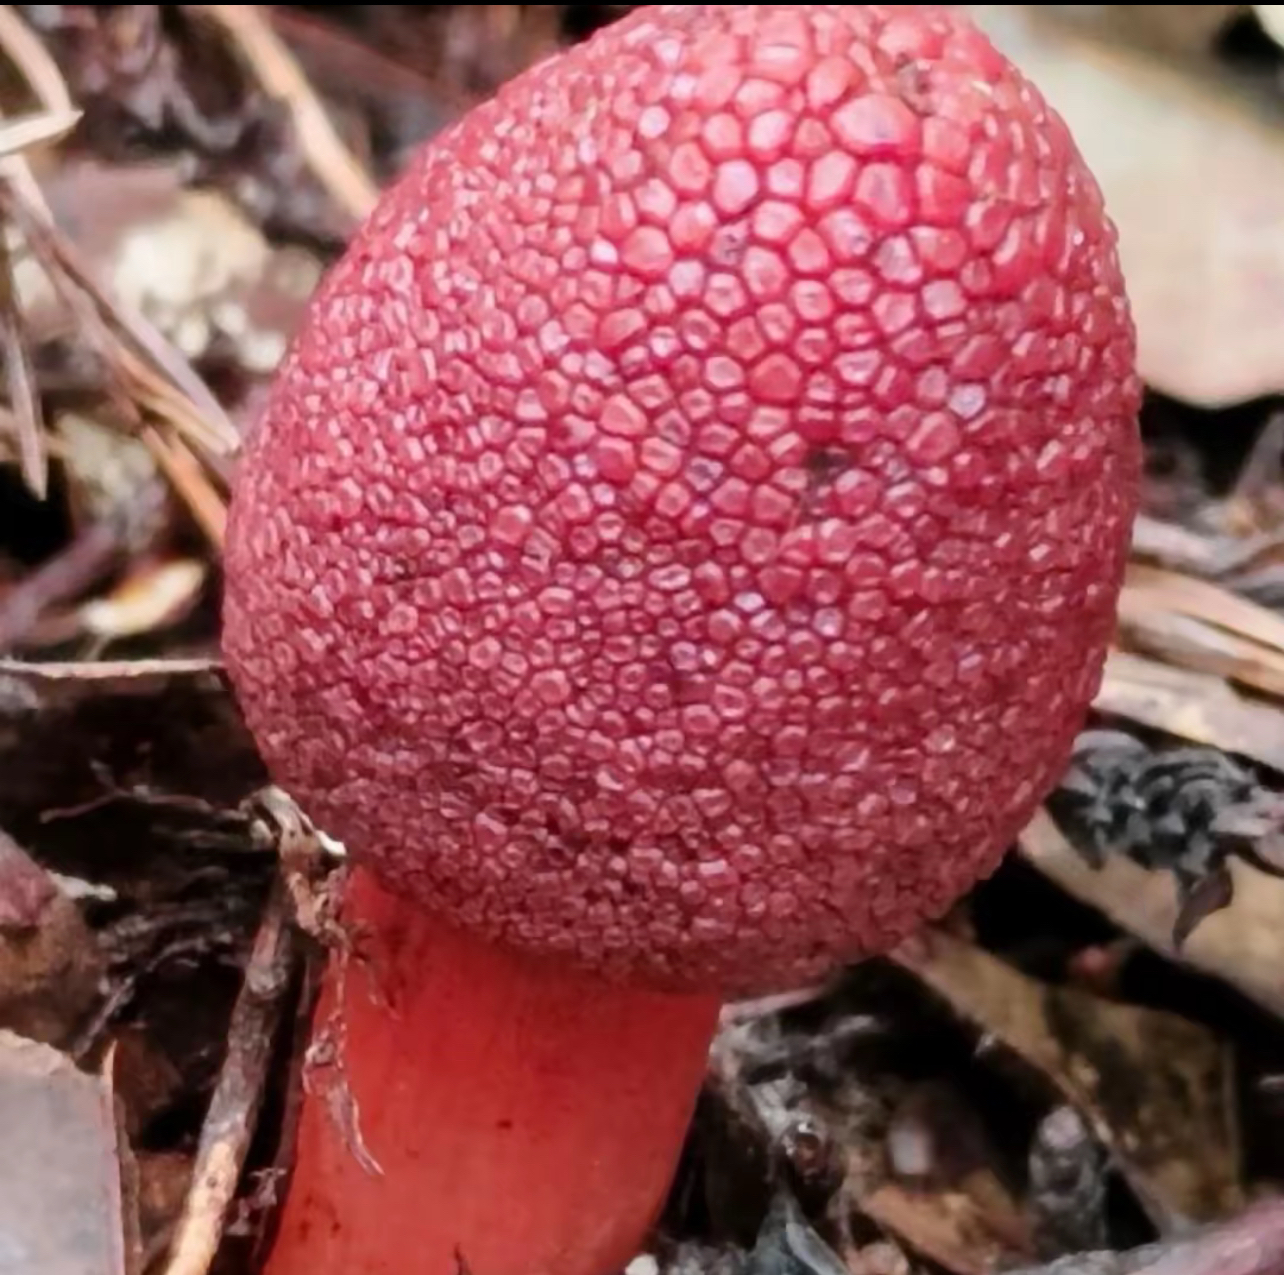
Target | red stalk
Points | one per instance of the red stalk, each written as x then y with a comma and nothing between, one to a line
527,1118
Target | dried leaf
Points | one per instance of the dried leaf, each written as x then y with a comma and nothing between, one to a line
17,135
1154,589
163,1182
1210,895
63,1210
944,1198
1184,811
174,458
274,68
1193,173
50,962
1195,706
26,892
1242,945
149,598
945,1227
139,356
39,68
1201,553
1182,29
1271,17
170,725
21,389
187,260
1152,1086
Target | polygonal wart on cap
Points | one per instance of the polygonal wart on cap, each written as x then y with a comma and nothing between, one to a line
686,535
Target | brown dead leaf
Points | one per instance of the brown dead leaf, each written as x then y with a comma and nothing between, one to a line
1243,945
943,1197
207,505
147,1079
1203,553
945,1226
17,135
1192,168
170,725
1154,1087
877,1259
65,1205
1271,17
50,961
188,260
1199,707
1205,626
1202,600
152,596
163,1182
1183,29
108,473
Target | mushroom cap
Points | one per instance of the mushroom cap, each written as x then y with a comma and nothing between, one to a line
686,533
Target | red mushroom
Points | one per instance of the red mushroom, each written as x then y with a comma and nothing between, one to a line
678,554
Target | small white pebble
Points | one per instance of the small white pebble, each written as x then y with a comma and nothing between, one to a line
644,1265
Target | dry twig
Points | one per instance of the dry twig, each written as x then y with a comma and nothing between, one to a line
156,374
22,134
234,1109
54,671
184,472
17,136
153,379
272,64
31,57
20,382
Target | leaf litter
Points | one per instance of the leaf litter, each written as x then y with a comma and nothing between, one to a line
1081,1071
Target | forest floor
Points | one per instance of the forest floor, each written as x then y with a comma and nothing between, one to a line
1081,1069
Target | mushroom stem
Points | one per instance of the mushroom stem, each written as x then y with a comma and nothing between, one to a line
525,1119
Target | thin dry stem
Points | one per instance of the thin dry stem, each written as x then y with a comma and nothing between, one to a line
31,57
234,1109
272,64
169,385
189,480
28,131
20,384
108,670
192,409
152,378
17,136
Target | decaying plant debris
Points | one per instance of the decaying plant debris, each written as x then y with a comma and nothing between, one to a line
1081,1072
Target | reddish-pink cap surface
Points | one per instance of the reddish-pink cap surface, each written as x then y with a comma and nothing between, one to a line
687,533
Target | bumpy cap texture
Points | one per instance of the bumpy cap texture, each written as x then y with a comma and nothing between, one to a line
686,534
